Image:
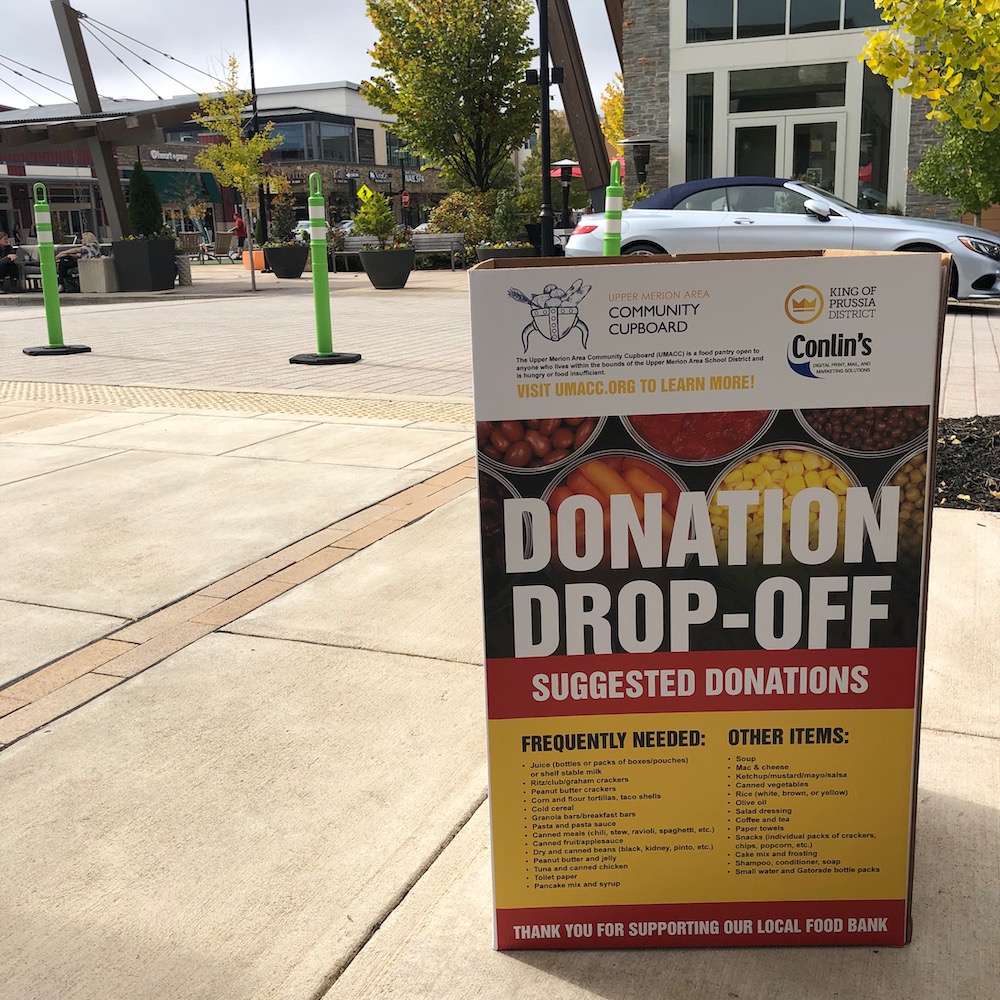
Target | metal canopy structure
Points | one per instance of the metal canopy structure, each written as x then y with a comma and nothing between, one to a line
581,113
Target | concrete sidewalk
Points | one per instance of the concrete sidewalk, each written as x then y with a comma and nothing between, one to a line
242,741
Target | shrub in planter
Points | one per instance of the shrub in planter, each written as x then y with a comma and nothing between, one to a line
144,261
285,255
390,258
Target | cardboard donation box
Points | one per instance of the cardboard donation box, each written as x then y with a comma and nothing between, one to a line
704,504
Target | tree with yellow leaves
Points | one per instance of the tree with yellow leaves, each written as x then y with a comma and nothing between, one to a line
613,110
237,160
947,51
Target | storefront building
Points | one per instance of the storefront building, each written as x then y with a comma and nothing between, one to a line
768,87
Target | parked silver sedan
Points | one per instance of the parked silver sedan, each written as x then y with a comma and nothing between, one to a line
743,214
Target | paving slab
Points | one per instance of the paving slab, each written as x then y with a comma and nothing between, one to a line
26,461
129,533
35,418
961,664
416,592
347,444
234,823
34,634
86,424
437,944
195,434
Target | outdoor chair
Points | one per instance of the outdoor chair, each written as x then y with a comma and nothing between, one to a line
223,249
191,244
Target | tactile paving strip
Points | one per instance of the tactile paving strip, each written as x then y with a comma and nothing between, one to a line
363,407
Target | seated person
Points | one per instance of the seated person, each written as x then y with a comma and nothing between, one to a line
8,263
68,260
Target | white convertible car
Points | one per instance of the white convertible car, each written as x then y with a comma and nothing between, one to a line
743,214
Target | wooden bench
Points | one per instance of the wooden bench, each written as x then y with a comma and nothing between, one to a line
452,244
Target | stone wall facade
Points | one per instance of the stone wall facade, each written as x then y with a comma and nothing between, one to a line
646,71
923,135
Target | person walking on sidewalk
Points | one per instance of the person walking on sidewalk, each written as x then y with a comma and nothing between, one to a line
240,232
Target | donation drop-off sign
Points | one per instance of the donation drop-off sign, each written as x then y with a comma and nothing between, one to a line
703,498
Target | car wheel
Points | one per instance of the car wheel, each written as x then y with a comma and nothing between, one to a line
642,250
929,248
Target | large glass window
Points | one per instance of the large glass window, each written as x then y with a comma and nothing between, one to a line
814,15
366,145
398,154
783,88
755,18
861,14
293,146
715,20
873,155
699,126
709,20
336,143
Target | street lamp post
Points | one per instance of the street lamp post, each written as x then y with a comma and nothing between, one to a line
566,179
255,121
640,152
545,215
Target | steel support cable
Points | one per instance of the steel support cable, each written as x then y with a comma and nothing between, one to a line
115,55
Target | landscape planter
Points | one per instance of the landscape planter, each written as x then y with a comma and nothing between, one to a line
258,260
387,268
287,261
491,253
144,265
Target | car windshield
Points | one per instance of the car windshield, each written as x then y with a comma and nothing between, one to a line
830,199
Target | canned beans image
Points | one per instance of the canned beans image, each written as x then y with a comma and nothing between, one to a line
791,470
533,444
617,474
492,493
869,429
911,478
698,437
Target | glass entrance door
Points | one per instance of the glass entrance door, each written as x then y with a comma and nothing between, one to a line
799,146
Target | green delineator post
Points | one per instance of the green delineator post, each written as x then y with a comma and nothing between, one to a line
613,198
325,354
50,281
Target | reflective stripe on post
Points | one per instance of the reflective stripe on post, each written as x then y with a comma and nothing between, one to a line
614,198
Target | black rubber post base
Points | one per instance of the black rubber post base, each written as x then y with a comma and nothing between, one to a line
65,349
336,358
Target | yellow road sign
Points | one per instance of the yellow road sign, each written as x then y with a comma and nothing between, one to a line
365,192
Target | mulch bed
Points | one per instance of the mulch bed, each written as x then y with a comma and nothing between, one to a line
967,470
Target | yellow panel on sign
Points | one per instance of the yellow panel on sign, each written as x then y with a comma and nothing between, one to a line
365,192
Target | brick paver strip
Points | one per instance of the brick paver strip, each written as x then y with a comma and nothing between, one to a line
39,713
8,705
74,679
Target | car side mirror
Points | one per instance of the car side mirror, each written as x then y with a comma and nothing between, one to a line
818,208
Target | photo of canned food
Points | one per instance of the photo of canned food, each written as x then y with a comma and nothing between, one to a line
790,469
868,430
910,475
493,490
615,474
699,438
526,445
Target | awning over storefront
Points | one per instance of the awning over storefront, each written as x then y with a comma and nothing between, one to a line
182,186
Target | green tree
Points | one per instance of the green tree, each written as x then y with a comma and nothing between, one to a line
562,148
375,218
964,166
237,160
453,73
947,51
145,213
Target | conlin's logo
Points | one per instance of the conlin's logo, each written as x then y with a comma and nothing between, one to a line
554,312
804,304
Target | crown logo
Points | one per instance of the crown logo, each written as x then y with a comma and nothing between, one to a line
807,308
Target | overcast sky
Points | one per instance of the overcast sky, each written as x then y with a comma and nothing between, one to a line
304,41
